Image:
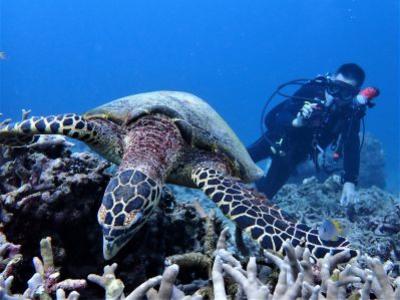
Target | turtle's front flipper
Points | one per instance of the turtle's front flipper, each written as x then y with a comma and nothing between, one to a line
22,133
101,135
251,212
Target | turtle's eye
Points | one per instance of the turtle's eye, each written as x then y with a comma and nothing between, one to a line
103,214
133,217
107,217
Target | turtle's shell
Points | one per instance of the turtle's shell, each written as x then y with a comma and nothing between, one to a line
200,124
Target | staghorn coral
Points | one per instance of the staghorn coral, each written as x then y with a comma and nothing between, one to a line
45,281
9,256
332,277
114,287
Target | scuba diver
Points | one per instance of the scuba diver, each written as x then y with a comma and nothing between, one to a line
327,110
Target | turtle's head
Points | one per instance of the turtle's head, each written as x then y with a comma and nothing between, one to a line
129,200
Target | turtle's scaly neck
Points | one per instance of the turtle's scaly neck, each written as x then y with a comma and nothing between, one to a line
153,144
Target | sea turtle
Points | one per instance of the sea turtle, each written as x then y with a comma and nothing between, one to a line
174,137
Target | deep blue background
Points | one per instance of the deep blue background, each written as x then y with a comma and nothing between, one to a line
69,56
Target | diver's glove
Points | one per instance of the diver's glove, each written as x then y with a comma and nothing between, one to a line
349,194
304,114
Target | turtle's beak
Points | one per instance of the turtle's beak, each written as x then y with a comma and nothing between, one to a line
112,245
114,239
110,249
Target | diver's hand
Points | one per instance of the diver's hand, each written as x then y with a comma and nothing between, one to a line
366,95
349,194
307,110
305,113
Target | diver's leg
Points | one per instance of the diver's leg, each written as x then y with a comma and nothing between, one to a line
259,150
251,212
151,148
278,173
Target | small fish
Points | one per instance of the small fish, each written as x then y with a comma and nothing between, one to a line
330,230
3,55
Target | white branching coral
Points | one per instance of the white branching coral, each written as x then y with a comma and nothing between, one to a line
45,281
332,277
9,256
114,287
60,295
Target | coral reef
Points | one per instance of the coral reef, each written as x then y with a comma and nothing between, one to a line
49,197
372,224
41,181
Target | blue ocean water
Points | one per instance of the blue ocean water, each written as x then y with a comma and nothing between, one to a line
69,56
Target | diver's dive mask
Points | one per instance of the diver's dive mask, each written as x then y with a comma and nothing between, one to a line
341,91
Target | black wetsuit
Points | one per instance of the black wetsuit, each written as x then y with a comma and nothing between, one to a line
297,142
